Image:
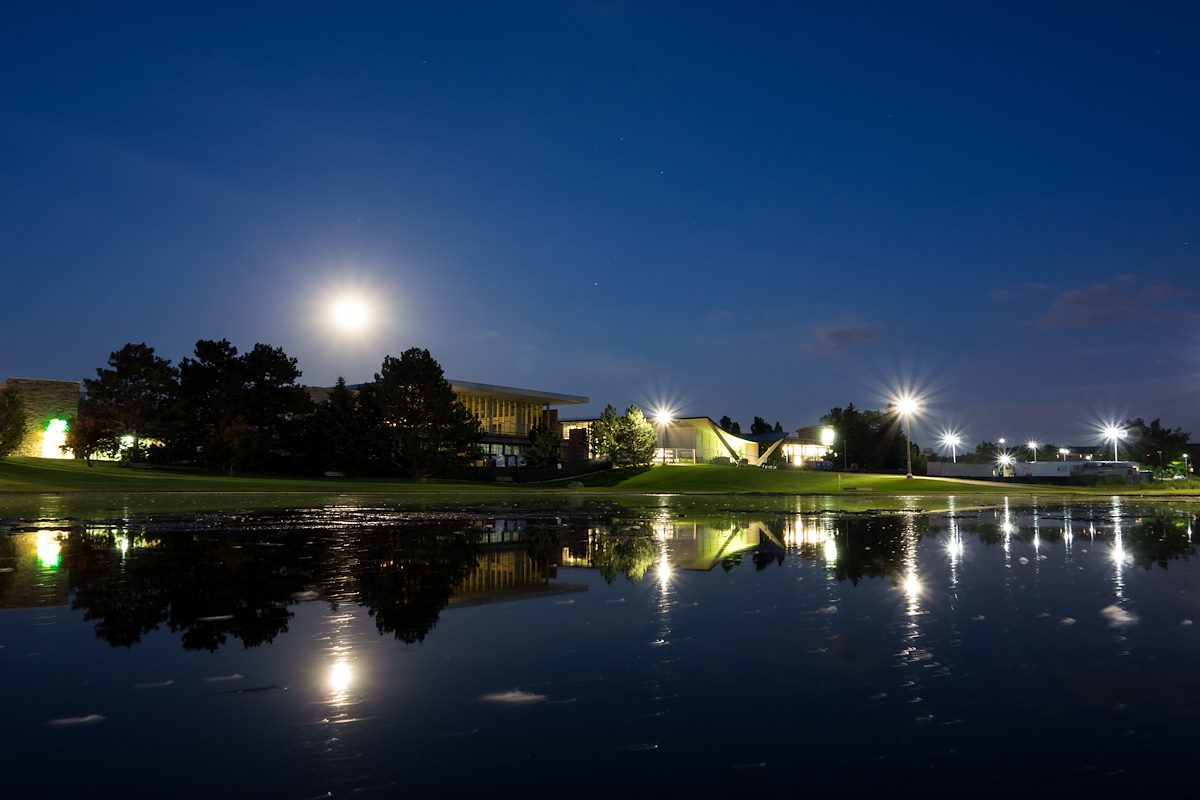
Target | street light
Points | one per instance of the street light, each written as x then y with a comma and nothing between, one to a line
1064,452
1115,434
1033,446
907,405
952,440
1004,460
1185,467
663,418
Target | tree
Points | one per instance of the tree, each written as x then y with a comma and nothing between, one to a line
209,396
872,439
274,402
84,433
420,426
1145,443
635,440
760,426
12,422
604,433
130,399
729,426
232,411
335,432
545,447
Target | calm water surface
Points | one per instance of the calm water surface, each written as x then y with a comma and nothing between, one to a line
601,650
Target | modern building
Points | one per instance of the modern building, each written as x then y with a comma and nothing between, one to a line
699,440
508,414
49,405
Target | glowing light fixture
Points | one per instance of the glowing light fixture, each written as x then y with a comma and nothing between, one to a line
662,418
952,440
827,436
1064,452
1114,433
1033,448
53,439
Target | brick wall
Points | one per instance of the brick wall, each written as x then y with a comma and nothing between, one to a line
44,401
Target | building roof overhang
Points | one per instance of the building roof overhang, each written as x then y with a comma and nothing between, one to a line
513,393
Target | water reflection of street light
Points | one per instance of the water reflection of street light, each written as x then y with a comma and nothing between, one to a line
906,405
1114,433
952,440
663,418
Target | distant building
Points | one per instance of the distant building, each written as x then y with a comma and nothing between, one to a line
49,405
506,414
699,440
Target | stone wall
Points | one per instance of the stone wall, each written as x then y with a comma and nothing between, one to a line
44,401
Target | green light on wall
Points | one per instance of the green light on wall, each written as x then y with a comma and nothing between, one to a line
56,426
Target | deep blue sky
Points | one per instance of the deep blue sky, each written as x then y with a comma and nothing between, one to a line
769,211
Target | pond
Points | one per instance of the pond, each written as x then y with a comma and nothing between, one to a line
597,648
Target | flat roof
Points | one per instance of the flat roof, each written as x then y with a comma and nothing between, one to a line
513,393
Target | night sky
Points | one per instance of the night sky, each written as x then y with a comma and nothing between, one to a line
768,212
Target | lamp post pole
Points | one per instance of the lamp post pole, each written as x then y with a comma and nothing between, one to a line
908,445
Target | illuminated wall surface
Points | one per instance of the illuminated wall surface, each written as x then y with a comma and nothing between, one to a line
48,406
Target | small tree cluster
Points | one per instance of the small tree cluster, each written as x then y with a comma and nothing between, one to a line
628,440
872,439
239,411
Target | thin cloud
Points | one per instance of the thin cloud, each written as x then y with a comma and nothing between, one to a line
844,336
1117,301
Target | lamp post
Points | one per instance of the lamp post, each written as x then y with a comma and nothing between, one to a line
1033,446
1064,452
906,406
952,440
1114,433
663,418
1185,466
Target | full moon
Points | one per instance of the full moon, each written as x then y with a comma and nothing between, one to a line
350,313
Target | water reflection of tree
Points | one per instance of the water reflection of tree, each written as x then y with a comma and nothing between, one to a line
408,575
543,544
211,588
873,546
206,588
1157,540
627,550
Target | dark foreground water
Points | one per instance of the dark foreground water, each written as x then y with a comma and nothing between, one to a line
602,650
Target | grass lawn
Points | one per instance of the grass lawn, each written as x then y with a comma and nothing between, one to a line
69,475
108,486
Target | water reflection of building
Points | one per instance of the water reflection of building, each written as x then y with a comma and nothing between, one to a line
685,545
32,574
508,573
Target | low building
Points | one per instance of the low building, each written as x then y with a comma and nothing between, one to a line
699,440
49,405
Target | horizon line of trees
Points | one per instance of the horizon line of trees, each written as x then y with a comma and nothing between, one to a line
246,411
